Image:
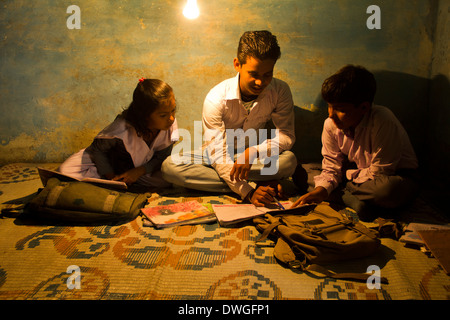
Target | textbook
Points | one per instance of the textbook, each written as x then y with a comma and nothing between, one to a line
191,212
438,242
228,214
46,174
411,233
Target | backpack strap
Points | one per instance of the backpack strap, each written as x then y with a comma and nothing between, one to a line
269,229
285,254
344,275
373,234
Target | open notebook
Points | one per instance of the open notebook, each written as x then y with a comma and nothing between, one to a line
228,214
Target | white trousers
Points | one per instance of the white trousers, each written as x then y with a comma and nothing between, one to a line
198,175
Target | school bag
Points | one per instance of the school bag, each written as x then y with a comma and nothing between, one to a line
83,203
308,240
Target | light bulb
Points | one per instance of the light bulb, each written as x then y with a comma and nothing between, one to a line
191,11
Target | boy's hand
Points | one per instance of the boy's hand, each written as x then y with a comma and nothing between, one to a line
131,176
243,164
263,195
240,172
318,195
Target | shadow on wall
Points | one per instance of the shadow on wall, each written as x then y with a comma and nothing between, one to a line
439,126
438,142
421,105
308,132
407,96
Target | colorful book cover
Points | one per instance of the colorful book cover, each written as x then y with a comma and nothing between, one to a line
177,213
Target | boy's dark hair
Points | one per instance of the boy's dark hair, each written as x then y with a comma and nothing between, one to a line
351,84
148,95
262,45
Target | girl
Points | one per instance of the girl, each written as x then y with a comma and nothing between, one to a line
132,148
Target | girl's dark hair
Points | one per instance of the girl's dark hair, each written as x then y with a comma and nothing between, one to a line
262,45
351,84
148,95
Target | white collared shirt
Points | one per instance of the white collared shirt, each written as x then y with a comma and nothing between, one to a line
380,146
138,149
223,109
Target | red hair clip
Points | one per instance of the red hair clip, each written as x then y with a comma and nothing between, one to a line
141,79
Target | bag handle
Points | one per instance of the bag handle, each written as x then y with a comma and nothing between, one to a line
268,230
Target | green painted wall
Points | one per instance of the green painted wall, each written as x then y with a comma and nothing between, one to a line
59,87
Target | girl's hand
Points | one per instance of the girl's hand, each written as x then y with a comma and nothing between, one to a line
131,176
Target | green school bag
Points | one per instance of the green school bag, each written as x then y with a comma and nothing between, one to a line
306,241
84,203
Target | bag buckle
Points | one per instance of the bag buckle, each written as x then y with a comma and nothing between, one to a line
347,222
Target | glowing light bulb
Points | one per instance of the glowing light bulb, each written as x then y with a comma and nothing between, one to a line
191,11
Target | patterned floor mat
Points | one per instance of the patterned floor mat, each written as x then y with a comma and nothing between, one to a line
133,261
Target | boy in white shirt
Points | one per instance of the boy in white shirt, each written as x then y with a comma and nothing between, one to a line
238,109
368,159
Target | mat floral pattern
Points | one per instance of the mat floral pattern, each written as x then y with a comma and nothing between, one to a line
133,261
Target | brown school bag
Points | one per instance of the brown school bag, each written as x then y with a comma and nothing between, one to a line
320,236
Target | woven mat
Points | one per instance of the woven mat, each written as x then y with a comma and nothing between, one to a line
132,261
